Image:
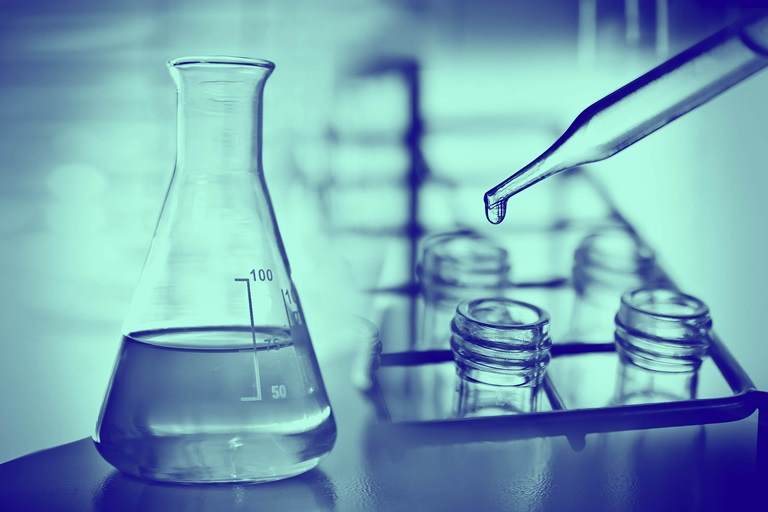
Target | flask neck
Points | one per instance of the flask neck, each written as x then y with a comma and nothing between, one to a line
219,114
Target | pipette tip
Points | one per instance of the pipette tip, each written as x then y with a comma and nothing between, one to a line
495,212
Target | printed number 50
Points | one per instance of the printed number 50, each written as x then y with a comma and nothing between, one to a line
279,391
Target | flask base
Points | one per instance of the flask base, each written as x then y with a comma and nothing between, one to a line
212,469
186,413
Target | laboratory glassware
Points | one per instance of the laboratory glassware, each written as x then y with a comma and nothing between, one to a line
607,262
644,105
216,379
501,350
729,393
661,338
455,266
364,335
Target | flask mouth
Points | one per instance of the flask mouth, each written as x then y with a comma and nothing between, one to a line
220,60
220,87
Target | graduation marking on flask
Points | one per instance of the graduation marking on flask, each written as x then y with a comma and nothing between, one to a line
256,370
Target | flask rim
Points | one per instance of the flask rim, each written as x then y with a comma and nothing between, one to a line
639,300
220,60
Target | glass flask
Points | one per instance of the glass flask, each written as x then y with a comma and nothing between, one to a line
501,349
216,379
456,266
661,338
607,263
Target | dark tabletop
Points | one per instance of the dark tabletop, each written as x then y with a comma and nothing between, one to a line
685,468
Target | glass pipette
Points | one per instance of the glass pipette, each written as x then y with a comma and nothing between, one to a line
644,105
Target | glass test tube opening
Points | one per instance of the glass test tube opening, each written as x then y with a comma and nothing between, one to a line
502,342
455,266
463,259
606,263
612,257
662,330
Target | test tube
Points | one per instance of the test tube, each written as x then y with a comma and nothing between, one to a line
456,266
606,263
501,349
661,337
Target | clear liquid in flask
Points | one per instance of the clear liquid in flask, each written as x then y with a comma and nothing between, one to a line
214,404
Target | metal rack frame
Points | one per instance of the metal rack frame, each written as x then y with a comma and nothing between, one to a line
575,424
560,421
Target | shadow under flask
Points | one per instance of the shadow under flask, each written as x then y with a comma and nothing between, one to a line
216,379
501,349
661,338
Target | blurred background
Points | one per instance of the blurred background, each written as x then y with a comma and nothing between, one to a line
371,99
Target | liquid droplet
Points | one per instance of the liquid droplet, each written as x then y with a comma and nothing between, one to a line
495,212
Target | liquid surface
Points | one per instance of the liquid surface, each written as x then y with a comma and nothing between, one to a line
215,405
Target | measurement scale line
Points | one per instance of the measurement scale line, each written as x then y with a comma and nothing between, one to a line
293,323
287,312
256,370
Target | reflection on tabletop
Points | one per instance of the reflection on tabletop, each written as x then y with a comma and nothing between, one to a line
310,491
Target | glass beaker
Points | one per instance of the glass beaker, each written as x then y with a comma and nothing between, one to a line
607,263
216,379
661,338
501,349
456,266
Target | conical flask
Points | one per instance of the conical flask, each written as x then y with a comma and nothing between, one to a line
216,379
